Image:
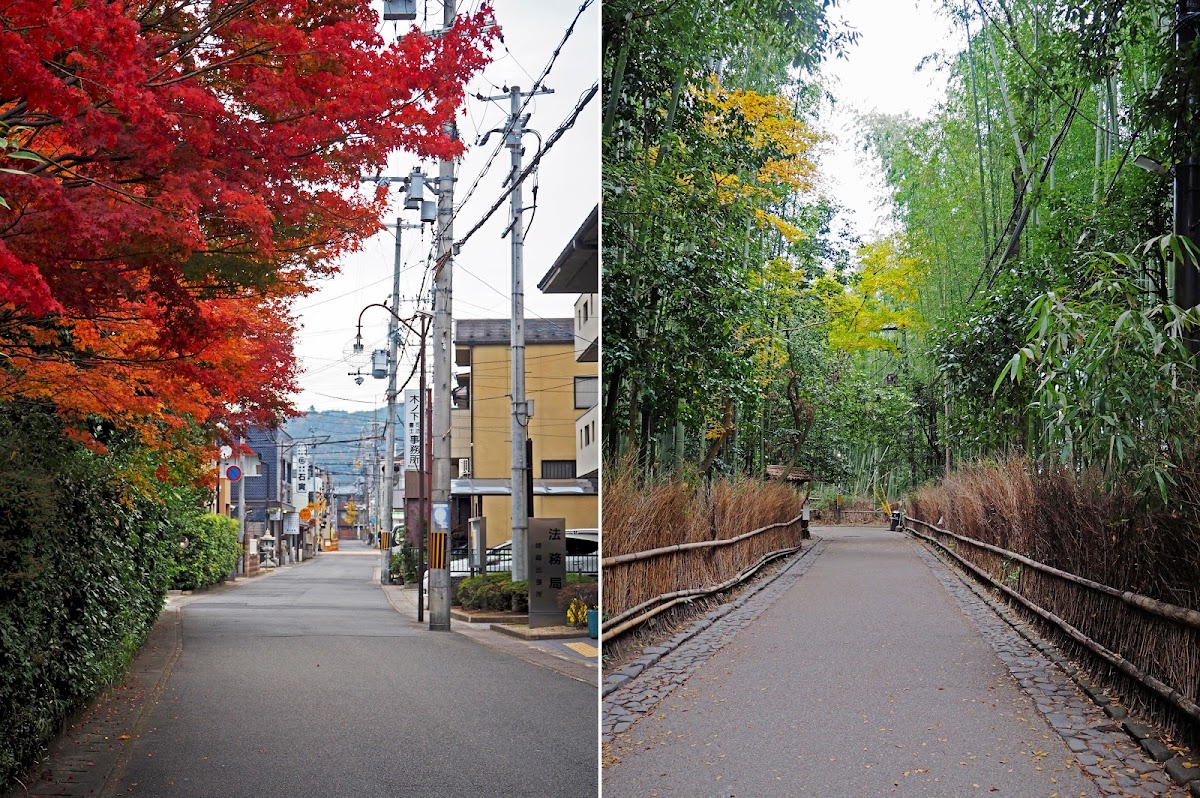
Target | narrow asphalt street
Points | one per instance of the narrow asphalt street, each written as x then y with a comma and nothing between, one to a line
308,682
865,668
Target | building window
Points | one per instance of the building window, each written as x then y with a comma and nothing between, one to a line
558,469
586,389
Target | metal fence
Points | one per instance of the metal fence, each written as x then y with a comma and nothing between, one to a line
499,560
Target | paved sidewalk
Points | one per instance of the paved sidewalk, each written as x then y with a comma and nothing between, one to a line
870,674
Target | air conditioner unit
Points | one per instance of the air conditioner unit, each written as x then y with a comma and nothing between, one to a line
464,467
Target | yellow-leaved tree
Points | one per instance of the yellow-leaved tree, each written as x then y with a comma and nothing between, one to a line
879,298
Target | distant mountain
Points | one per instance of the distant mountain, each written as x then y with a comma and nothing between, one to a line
344,442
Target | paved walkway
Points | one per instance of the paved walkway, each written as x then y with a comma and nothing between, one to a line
306,681
864,668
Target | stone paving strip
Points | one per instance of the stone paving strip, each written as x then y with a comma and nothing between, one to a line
633,690
1102,746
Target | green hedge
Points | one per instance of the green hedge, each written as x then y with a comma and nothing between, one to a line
86,542
500,592
207,554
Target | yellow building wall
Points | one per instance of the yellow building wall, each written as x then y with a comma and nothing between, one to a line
579,511
550,371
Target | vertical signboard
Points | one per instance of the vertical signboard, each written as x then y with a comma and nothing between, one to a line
412,430
301,475
546,556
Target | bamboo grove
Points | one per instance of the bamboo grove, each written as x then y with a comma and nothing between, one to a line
1022,302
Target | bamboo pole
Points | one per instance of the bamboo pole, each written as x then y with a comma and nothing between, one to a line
1165,691
700,544
622,625
1171,612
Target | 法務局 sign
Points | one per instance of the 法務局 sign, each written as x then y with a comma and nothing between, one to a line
547,565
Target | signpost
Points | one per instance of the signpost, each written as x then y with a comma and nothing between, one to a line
546,557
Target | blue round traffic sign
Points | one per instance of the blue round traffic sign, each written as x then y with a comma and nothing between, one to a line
233,473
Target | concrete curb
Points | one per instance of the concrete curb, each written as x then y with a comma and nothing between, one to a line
486,616
544,633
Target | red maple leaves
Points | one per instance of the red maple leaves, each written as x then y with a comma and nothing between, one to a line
198,163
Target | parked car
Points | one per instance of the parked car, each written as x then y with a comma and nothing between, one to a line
583,556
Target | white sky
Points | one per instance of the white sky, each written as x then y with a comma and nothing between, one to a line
880,74
568,188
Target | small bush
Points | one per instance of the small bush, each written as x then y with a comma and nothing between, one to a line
207,554
498,592
405,565
577,598
491,593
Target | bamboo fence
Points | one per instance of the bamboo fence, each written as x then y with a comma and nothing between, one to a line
639,585
1147,650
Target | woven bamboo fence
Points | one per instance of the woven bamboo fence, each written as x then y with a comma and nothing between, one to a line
634,582
1145,649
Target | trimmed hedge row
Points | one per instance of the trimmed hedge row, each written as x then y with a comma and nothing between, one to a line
208,553
86,545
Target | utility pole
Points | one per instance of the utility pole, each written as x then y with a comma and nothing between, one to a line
389,425
443,353
522,410
242,504
1187,171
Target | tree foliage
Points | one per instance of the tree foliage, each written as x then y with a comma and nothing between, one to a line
193,164
712,226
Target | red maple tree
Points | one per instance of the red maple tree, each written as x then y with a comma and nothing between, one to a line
197,164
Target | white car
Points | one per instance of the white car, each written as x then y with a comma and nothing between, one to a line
583,556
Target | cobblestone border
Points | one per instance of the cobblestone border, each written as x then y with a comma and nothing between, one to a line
1124,760
664,667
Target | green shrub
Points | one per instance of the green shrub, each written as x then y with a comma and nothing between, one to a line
497,592
207,553
405,564
490,593
86,544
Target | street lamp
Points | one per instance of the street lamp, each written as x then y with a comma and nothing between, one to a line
390,440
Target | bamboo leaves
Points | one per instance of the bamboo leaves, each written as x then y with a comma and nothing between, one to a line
1116,382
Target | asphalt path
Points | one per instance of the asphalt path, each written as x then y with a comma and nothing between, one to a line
308,683
863,678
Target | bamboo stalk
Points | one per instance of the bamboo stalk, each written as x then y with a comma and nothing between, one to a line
1171,612
1165,691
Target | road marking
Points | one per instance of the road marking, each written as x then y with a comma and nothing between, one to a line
591,652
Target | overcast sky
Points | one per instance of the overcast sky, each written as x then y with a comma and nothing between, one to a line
568,188
880,73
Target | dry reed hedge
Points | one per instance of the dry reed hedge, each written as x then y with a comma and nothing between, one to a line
640,515
1066,521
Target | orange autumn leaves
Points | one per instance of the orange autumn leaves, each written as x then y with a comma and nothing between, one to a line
191,166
